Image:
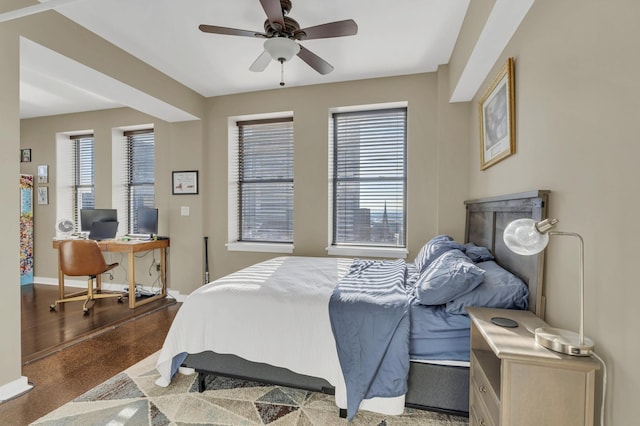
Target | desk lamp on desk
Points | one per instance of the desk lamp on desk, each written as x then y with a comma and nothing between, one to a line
528,237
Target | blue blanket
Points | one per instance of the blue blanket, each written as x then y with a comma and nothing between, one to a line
369,313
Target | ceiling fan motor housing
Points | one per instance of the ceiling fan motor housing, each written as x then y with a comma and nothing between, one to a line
291,29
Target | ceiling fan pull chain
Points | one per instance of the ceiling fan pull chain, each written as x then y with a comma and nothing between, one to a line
281,72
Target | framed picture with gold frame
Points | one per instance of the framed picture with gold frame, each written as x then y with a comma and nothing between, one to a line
497,118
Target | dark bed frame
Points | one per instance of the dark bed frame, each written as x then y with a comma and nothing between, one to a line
431,386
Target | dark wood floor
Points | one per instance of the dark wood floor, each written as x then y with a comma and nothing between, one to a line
93,355
44,332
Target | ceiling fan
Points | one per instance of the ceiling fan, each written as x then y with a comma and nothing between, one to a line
283,33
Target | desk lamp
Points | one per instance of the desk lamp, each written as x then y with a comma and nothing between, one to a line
528,237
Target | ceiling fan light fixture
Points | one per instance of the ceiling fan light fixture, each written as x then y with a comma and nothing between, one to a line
281,49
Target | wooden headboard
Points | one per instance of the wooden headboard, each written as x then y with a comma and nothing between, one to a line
486,220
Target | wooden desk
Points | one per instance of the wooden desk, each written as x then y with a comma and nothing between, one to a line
131,247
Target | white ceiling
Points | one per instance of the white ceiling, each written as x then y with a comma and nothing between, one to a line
394,38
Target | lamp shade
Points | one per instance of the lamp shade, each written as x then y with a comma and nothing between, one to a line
523,237
281,48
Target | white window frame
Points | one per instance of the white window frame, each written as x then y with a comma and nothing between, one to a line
120,173
66,204
356,251
233,186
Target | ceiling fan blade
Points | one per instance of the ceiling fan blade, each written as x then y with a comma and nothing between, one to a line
229,31
347,27
261,62
315,61
274,13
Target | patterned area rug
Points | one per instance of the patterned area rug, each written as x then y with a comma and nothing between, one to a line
132,398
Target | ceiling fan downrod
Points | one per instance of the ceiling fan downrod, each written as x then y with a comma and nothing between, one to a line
281,60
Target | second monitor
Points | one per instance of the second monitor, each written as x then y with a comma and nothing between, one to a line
147,221
88,216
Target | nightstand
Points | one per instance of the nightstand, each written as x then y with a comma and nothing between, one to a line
515,381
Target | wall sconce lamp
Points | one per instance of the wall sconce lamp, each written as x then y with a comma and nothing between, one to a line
528,237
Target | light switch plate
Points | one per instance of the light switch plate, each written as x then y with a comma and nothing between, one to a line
184,211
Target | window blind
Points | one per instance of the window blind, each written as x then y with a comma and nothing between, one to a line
369,178
140,153
265,180
83,175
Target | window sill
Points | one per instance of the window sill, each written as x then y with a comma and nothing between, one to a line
353,251
260,247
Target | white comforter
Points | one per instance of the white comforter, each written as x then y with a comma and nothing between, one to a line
274,312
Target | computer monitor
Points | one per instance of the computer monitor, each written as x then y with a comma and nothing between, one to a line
88,216
103,230
147,221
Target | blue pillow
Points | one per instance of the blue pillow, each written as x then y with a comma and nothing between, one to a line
433,249
499,289
449,276
478,253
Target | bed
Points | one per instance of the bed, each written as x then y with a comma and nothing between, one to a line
299,350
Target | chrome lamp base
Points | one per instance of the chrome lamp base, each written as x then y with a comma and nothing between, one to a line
563,341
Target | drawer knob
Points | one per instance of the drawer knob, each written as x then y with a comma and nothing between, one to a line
482,389
482,423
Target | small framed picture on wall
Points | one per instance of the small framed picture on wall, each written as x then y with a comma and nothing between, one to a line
185,182
43,173
25,155
43,195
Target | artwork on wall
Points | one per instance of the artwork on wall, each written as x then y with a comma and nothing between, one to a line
43,174
497,118
43,195
185,182
26,229
25,155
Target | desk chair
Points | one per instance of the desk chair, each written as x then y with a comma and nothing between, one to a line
84,257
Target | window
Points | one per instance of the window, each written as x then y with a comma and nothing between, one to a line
82,154
369,178
265,181
140,190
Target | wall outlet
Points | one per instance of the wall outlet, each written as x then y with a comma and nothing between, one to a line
158,267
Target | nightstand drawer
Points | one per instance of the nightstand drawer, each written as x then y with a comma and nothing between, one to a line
478,416
482,389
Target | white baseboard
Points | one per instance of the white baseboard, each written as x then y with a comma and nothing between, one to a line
13,389
109,286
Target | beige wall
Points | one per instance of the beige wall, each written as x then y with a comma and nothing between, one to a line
310,106
578,108
54,31
452,160
176,144
436,159
474,22
9,213
185,263
9,5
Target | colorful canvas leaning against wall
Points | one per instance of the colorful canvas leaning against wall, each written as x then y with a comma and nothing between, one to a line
26,229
